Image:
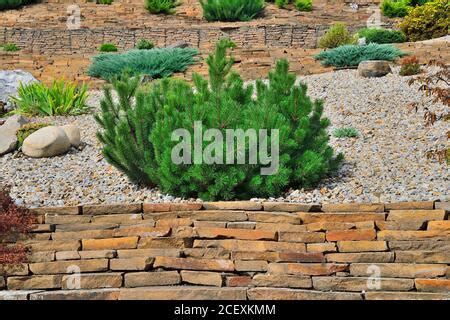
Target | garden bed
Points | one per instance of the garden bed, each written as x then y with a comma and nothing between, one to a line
387,162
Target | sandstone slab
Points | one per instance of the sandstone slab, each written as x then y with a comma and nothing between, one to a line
233,205
69,266
360,284
194,264
145,279
362,246
34,282
204,278
298,294
131,264
247,245
183,293
282,281
92,281
313,269
433,285
243,234
399,270
110,244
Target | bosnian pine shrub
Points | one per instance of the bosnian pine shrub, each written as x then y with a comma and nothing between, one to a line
157,63
352,55
137,132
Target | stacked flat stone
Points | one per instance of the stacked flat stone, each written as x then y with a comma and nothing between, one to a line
236,250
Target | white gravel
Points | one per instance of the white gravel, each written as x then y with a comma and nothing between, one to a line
386,163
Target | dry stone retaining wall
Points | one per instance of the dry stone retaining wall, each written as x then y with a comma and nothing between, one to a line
236,250
63,41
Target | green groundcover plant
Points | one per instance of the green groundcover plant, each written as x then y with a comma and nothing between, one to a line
12,4
161,6
144,44
11,47
137,132
107,47
352,55
61,98
395,8
231,10
157,63
303,5
381,36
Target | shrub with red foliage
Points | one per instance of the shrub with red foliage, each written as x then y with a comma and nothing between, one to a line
410,66
14,221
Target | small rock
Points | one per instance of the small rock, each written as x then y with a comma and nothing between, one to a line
73,133
46,142
374,68
362,42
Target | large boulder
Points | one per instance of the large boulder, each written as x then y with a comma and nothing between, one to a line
73,133
8,131
46,142
9,84
374,68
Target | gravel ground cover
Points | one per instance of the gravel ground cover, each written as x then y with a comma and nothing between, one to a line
385,163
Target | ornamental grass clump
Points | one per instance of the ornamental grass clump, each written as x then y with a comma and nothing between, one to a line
161,6
141,134
60,98
231,10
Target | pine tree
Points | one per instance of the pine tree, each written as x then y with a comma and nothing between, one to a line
137,134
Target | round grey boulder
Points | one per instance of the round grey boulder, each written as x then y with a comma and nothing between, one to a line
46,142
374,68
10,81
